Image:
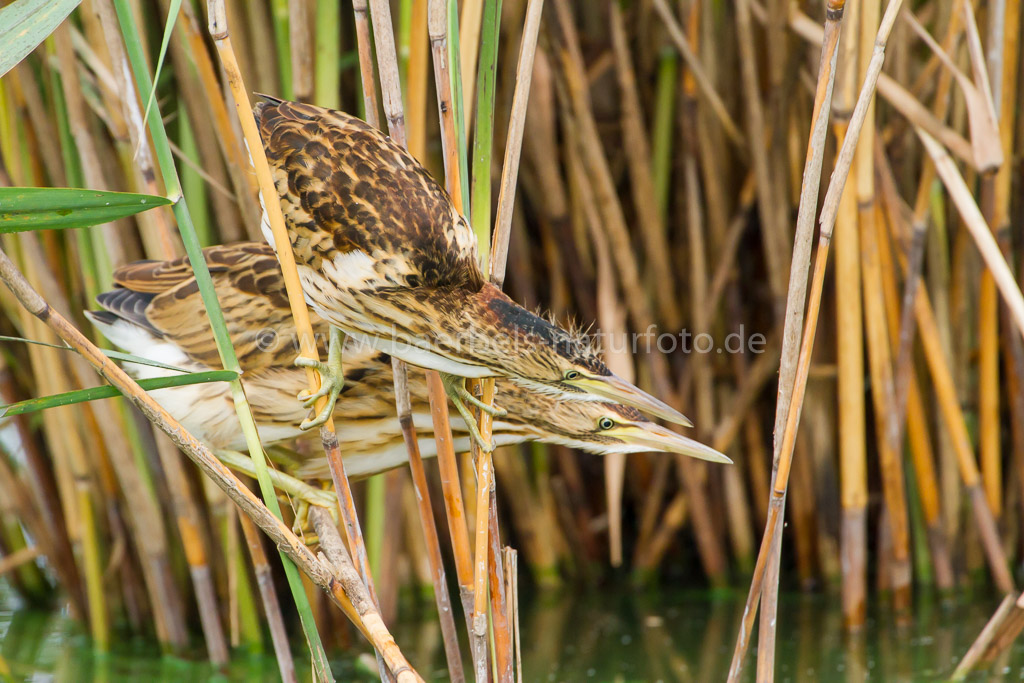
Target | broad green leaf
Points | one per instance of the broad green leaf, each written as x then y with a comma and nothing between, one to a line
107,391
49,208
109,353
26,23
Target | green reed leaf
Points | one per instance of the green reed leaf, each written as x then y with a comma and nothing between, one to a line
94,393
26,23
109,353
53,208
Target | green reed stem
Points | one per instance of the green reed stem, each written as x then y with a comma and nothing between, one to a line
165,160
374,524
192,184
455,68
279,10
327,79
404,42
483,134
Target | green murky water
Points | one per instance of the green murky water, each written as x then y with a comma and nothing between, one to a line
599,636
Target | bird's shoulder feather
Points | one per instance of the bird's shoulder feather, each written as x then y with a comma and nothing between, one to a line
346,188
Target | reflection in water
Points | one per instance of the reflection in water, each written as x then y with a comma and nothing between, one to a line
606,636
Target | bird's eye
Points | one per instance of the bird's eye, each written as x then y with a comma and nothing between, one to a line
572,374
605,423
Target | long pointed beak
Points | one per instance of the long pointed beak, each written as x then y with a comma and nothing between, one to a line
614,388
657,438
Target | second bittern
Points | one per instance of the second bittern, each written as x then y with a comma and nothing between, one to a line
385,257
156,312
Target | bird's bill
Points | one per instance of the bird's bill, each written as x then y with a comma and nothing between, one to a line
652,436
614,388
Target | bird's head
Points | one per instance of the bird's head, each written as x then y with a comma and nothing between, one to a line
550,359
595,426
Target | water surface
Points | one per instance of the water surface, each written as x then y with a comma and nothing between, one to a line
600,636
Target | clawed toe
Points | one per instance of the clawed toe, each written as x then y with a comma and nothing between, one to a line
332,380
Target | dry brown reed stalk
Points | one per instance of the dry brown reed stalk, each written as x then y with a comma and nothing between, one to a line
265,582
976,653
793,369
952,415
884,396
512,591
416,81
497,262
390,87
899,97
975,223
1004,67
301,45
880,368
909,405
367,73
850,358
187,518
337,557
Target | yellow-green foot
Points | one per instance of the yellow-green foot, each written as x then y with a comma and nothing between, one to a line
332,380
455,387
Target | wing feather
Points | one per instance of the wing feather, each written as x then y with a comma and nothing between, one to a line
164,298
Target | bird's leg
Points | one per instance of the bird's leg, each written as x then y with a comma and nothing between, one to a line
302,494
332,379
455,387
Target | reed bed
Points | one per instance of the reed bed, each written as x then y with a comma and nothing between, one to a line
679,173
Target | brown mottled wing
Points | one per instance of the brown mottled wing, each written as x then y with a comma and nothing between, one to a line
345,187
250,289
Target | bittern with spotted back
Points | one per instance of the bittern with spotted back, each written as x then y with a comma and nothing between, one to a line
156,313
385,257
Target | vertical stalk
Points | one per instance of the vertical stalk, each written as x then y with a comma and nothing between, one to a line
793,369
438,28
327,80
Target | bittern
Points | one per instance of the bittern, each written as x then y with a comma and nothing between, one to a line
156,312
385,257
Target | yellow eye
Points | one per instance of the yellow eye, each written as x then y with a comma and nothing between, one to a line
605,423
572,374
